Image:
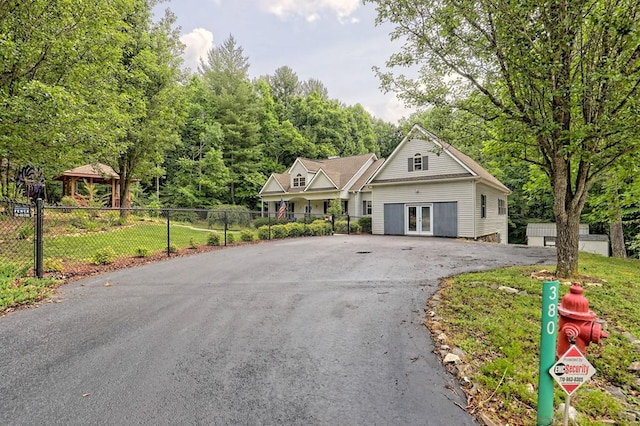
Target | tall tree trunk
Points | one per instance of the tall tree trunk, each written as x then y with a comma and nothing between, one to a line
125,185
567,231
617,237
567,208
615,226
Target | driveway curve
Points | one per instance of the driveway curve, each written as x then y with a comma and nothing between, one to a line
309,331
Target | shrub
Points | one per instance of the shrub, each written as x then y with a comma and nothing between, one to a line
79,219
230,238
173,248
142,252
340,226
234,215
213,239
193,244
365,224
104,256
68,201
184,216
320,227
294,229
263,232
246,235
154,209
110,218
53,265
26,231
354,227
279,231
262,221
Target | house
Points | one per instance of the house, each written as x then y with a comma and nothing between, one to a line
544,234
308,186
426,188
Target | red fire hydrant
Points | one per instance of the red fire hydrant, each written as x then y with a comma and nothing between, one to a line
578,324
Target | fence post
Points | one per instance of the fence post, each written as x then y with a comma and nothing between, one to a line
168,234
225,227
269,224
38,240
348,225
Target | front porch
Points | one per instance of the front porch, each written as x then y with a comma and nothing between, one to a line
299,207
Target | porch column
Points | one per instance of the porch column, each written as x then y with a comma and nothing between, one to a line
113,193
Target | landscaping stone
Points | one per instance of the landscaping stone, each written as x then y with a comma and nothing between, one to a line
617,393
509,290
635,367
487,421
459,352
451,359
573,413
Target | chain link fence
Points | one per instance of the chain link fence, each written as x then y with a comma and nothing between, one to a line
17,230
38,239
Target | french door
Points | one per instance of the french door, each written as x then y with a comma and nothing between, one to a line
419,219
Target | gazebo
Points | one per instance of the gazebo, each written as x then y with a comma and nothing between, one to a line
92,174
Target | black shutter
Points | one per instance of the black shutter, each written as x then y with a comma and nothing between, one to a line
410,164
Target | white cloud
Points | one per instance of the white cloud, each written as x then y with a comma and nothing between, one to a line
310,10
393,110
197,44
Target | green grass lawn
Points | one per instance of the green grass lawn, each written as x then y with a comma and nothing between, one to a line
500,334
125,241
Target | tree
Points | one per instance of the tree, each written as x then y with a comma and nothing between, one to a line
314,85
56,106
284,86
238,111
614,203
147,82
565,74
388,136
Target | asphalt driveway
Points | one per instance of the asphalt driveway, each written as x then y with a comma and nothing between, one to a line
309,331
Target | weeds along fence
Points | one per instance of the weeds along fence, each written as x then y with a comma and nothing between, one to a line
38,239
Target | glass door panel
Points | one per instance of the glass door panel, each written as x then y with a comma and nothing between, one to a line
413,219
426,219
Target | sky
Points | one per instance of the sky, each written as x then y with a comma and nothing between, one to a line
334,41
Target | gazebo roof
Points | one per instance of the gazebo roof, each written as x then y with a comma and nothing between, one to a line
96,171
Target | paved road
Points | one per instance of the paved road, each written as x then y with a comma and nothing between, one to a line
310,331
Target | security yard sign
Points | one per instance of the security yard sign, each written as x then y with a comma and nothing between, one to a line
572,370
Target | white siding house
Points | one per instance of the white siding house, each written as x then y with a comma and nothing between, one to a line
425,188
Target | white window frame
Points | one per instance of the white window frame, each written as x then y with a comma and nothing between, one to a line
299,181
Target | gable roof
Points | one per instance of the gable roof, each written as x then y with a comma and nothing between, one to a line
339,170
362,181
474,169
98,172
321,173
281,179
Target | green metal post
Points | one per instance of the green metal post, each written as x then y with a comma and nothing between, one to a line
548,335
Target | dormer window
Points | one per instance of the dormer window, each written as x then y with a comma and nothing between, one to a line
299,180
418,162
